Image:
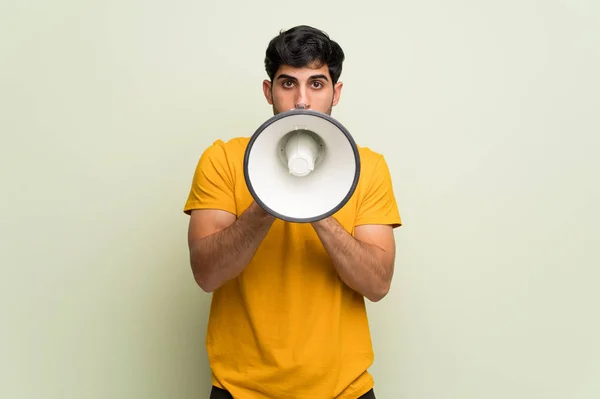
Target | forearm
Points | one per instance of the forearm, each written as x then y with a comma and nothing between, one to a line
361,266
222,256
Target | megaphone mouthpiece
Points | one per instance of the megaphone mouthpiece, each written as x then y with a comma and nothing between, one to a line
301,151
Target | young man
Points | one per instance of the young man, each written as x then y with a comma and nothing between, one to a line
287,318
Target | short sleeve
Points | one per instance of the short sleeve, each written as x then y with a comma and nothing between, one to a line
213,183
378,204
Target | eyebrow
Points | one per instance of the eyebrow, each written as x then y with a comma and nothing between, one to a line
284,76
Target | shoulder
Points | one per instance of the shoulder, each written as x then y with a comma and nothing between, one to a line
222,156
225,152
231,146
367,154
370,160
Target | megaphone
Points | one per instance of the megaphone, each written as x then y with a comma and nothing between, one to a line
301,166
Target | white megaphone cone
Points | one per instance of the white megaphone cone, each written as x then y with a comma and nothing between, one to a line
301,166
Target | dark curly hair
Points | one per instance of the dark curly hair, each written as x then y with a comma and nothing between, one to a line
301,46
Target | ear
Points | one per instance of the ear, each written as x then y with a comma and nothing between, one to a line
267,91
337,92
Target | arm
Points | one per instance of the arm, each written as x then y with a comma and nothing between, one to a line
221,246
364,262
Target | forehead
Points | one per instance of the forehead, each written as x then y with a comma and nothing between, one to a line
303,73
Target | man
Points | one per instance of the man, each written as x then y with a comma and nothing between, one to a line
287,318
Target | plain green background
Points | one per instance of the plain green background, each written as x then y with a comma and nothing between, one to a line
486,111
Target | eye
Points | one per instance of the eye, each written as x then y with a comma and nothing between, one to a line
288,84
317,85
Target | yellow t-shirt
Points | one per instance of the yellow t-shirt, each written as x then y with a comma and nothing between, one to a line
287,327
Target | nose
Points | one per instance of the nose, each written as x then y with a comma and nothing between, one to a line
302,101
